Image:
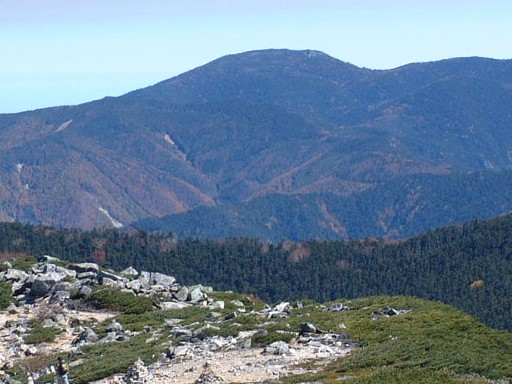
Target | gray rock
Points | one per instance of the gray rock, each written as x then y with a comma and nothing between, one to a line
130,271
388,312
178,332
61,320
51,277
85,267
40,288
237,303
21,328
178,351
203,288
244,343
21,297
323,349
47,259
338,307
115,326
85,291
88,336
307,328
134,285
213,315
202,332
111,276
167,305
15,275
108,282
157,288
58,269
166,294
182,294
277,348
49,267
195,295
283,307
60,296
217,305
145,279
49,323
111,336
65,286
37,269
87,275
19,287
173,322
161,279
261,332
277,315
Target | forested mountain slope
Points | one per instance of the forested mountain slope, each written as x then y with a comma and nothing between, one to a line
400,208
468,266
260,124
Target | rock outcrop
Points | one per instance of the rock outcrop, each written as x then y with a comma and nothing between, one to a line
48,279
53,292
59,295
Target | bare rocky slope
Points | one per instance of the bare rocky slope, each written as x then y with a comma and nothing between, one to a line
256,125
58,300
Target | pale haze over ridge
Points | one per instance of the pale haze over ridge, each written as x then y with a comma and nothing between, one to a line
60,52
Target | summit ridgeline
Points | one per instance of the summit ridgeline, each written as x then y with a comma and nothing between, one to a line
296,139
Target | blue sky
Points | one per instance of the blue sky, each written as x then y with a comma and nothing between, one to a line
57,52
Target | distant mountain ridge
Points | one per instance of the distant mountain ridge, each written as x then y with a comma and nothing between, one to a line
276,125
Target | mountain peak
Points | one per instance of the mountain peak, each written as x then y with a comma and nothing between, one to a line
280,58
280,53
254,74
260,124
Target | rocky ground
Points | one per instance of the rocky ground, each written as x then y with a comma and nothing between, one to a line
51,295
12,328
236,366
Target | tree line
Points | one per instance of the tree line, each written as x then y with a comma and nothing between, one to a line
468,266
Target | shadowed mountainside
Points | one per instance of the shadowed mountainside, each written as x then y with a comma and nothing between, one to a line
276,125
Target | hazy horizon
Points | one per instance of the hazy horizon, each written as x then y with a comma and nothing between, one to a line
70,52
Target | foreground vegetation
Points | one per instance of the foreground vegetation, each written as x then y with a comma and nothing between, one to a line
431,340
430,343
